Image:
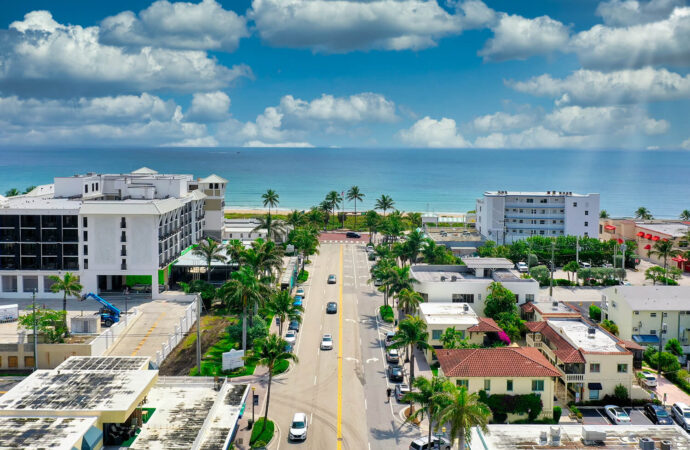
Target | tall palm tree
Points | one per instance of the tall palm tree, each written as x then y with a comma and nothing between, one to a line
384,203
235,251
371,220
411,333
243,290
268,352
399,278
264,257
415,219
12,192
296,218
69,286
315,216
685,215
413,245
274,227
408,301
210,251
325,208
643,213
665,250
281,305
271,199
428,397
306,241
334,200
603,214
463,411
382,272
354,194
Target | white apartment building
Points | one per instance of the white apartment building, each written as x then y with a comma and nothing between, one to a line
109,229
243,230
506,216
470,283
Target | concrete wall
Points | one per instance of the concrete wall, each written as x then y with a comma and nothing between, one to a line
608,376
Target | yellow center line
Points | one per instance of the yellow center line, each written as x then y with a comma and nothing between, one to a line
148,333
340,354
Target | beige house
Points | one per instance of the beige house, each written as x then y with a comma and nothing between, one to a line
502,370
591,361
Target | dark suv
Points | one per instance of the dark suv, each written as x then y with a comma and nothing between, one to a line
352,234
657,414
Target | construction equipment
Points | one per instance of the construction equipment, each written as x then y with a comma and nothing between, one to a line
109,313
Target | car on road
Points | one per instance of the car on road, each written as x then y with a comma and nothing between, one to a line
300,292
681,412
298,427
352,234
288,348
648,379
389,338
331,308
327,342
422,443
617,415
401,390
331,279
298,301
393,356
657,414
585,265
291,336
522,267
294,325
378,282
395,373
371,256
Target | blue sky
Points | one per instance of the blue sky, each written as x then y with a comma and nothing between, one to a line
381,73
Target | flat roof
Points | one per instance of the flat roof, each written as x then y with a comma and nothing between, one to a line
448,314
675,229
60,433
189,259
105,363
538,193
655,298
31,202
488,263
554,307
577,333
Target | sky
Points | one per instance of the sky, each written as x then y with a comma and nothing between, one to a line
561,74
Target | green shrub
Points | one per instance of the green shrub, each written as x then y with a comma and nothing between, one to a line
258,438
620,392
303,276
594,312
562,282
258,330
386,313
557,411
502,404
673,346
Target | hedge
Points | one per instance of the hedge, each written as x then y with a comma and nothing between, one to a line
259,439
386,313
502,404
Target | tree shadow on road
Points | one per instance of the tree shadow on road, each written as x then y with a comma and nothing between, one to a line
401,433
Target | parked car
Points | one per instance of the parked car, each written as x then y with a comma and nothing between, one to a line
401,390
681,412
657,414
327,342
291,336
422,443
288,348
649,379
617,415
378,282
294,325
331,279
522,267
371,256
352,234
395,373
389,338
298,427
393,356
331,308
298,301
300,292
585,265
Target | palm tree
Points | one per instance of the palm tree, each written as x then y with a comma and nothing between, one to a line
235,251
411,333
428,397
399,279
409,300
371,220
269,352
685,215
271,199
306,240
665,250
334,200
325,208
463,411
643,213
12,192
384,203
243,290
281,305
413,245
382,273
354,194
603,214
274,228
315,216
449,338
264,257
69,286
210,251
415,219
296,218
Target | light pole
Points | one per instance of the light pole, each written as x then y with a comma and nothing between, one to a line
553,247
33,303
253,402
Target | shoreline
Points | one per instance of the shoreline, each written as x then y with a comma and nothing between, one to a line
242,210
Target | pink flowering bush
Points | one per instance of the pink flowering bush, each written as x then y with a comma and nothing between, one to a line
504,337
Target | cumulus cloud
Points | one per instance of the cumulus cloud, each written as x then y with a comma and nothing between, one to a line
41,57
180,25
209,107
355,108
517,37
206,141
277,144
535,137
428,132
502,121
346,25
685,144
621,13
590,87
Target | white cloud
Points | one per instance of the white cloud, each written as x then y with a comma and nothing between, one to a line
663,42
355,108
345,25
209,107
536,137
40,57
517,37
206,141
180,25
267,126
475,14
613,120
277,144
621,13
594,88
685,144
428,132
501,121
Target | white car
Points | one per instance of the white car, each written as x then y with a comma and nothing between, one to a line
681,412
298,427
522,267
649,379
300,292
617,415
291,336
327,342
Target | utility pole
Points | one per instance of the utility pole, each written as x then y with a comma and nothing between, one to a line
661,338
198,333
33,302
553,248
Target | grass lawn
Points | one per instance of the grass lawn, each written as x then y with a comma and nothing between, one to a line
259,439
212,360
386,313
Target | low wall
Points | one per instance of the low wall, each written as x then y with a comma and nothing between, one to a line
176,337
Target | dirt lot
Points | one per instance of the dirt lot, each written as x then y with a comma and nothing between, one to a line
183,358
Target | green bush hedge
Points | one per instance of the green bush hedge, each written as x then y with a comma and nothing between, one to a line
386,313
557,411
259,439
502,404
303,276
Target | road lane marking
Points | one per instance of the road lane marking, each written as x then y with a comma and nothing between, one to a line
365,403
339,434
148,333
314,380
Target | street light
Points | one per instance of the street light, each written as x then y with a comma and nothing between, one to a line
253,402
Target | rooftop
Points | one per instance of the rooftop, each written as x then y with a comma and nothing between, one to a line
675,229
448,314
577,332
537,194
105,363
460,273
488,263
59,433
495,362
551,308
656,298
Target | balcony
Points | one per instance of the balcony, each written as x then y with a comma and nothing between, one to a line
573,377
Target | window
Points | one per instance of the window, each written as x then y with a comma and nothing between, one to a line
47,284
462,383
593,395
86,235
84,222
463,298
575,204
530,200
123,237
30,283
9,283
509,385
542,222
86,263
665,314
586,213
436,334
12,362
517,298
529,297
622,368
96,186
586,224
637,313
86,189
652,331
86,249
541,231
543,200
123,222
487,385
594,368
28,361
537,385
123,251
652,314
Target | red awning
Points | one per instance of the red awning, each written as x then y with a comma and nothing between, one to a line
665,240
656,238
647,236
620,241
609,227
640,233
679,259
647,247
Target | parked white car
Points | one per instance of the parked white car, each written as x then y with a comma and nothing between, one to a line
300,292
327,342
291,336
298,427
649,379
681,412
617,415
522,267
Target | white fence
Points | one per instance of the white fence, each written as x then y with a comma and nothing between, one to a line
176,337
109,337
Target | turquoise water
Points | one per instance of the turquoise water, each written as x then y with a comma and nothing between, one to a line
417,179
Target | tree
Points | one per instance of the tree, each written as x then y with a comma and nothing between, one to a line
436,254
235,251
409,300
371,221
621,393
449,338
411,333
69,286
264,257
398,279
463,411
571,267
206,289
306,241
673,346
685,215
296,218
413,245
29,189
334,200
541,274
315,216
12,192
643,213
269,352
610,326
594,312
281,305
427,396
354,194
382,273
384,203
52,325
271,199
664,361
500,300
210,251
603,214
675,273
415,219
665,250
274,227
654,274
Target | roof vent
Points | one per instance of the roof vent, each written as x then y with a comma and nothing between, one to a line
465,307
591,332
443,278
555,304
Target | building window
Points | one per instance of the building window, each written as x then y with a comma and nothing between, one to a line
652,331
462,383
123,252
86,264
538,385
123,237
543,200
652,314
665,314
517,298
436,334
509,385
542,222
530,200
86,249
575,204
9,283
586,213
487,385
637,313
123,222
84,222
30,283
594,368
12,362
541,231
463,298
86,189
593,395
86,235
529,297
47,284
622,368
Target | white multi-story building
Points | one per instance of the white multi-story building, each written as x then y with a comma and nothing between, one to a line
505,216
109,229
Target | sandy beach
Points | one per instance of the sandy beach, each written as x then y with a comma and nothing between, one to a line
240,210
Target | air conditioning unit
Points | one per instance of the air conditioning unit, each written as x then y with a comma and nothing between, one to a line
85,325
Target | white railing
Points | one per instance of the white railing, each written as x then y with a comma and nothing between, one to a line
176,337
574,377
109,337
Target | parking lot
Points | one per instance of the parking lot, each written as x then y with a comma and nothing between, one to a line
597,416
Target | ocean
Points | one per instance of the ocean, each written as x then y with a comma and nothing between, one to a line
424,180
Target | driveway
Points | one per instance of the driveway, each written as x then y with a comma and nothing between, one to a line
673,393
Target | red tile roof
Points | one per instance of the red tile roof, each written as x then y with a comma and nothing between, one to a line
527,307
495,362
564,350
630,345
485,325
